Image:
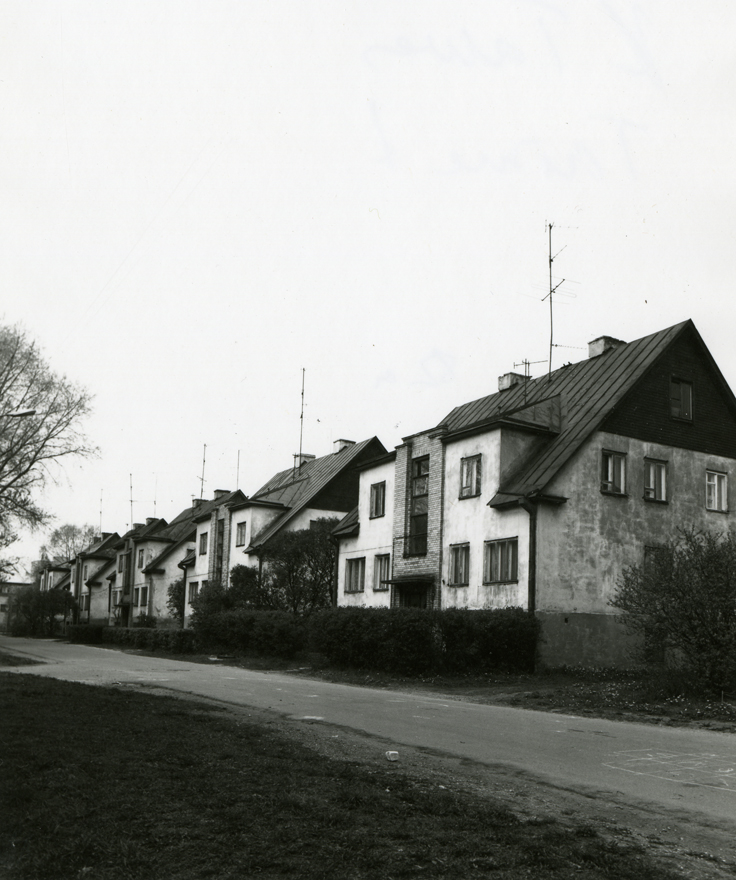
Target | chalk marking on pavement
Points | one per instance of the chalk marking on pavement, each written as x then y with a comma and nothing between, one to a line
706,770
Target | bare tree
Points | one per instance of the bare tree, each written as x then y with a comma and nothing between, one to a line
682,602
40,414
68,540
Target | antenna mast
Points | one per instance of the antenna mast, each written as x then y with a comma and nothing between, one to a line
131,501
301,429
237,472
301,419
201,479
551,291
100,512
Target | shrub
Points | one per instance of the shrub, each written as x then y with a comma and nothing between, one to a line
412,642
274,633
172,641
85,633
502,639
682,602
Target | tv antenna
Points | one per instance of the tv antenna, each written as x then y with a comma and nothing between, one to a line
527,364
550,295
201,479
131,501
301,426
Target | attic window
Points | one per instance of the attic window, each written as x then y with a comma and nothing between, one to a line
681,399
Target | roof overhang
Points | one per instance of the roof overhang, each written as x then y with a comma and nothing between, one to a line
504,500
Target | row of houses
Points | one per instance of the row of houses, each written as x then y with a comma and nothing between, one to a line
124,579
537,495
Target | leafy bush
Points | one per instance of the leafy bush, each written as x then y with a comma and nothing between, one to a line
33,612
682,602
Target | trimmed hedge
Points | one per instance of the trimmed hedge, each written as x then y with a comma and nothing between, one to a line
272,633
400,640
84,633
172,641
413,641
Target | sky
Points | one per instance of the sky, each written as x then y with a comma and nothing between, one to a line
205,203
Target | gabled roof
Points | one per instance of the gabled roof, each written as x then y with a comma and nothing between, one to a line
183,527
588,392
349,525
101,549
64,582
296,488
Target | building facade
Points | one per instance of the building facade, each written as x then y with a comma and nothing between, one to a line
541,494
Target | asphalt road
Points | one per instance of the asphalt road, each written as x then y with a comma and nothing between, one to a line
692,772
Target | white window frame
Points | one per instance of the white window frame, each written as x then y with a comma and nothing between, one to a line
192,591
355,575
381,567
501,561
240,529
459,575
203,538
144,596
141,557
655,480
613,472
470,476
378,500
716,491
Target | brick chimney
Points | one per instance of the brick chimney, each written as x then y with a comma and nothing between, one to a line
339,445
221,493
299,460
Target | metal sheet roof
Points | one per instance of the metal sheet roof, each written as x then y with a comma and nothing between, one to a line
297,487
588,391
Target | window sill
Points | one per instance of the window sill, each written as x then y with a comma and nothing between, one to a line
499,583
464,497
380,589
376,515
655,500
716,510
466,584
354,592
614,494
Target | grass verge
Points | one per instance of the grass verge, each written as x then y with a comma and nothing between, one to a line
110,783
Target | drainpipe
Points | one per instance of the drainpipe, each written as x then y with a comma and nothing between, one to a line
531,508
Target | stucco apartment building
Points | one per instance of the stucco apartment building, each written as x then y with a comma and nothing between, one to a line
237,530
540,494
